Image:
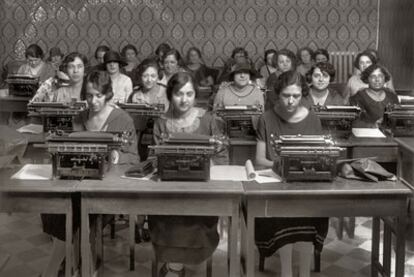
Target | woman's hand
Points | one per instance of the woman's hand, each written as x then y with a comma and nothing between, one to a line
114,157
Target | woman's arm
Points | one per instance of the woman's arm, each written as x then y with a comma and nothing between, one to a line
261,159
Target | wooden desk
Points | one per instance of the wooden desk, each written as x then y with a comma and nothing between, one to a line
406,160
12,103
115,195
51,196
324,199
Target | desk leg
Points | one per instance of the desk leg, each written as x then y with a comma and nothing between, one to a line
400,251
387,248
85,245
250,245
375,246
69,241
132,226
233,239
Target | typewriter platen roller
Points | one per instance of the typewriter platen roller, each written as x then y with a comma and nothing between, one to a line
154,110
306,157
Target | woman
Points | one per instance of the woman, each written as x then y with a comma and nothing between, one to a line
285,60
269,67
362,61
149,92
241,91
129,52
319,77
160,52
305,58
121,84
172,63
73,65
35,66
321,55
180,240
202,74
374,99
100,116
55,57
238,55
288,117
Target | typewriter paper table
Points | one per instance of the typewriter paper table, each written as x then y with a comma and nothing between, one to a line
324,199
29,196
115,195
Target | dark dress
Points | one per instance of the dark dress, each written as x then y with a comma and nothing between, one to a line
273,233
333,99
186,239
372,111
117,121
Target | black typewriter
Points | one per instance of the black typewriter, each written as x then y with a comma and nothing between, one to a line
186,157
306,157
22,85
399,120
238,119
83,154
56,116
150,110
337,120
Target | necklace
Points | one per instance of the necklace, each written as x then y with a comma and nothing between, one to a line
241,95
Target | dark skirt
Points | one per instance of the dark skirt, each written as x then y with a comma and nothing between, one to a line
273,233
183,239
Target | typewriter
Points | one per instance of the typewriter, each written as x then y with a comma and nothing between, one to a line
22,85
306,157
56,116
150,110
337,120
399,120
238,119
186,157
83,154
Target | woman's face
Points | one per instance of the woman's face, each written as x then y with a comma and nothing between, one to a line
241,79
100,56
183,100
112,67
76,70
321,58
56,59
305,56
193,57
170,64
130,55
284,63
364,62
96,100
239,57
33,61
289,98
376,80
149,77
320,79
269,58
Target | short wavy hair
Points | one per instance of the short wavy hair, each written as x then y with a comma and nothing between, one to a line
176,54
368,54
287,53
291,77
128,47
177,81
300,50
370,69
101,81
324,67
321,51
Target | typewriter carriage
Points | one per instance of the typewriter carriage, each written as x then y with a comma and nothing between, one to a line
22,85
399,120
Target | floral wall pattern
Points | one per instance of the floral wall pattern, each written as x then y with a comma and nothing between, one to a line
215,26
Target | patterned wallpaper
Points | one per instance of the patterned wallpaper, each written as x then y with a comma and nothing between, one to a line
215,26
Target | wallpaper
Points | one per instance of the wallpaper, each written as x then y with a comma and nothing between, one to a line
215,26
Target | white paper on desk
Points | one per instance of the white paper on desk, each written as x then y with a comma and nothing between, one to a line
31,128
242,173
34,172
367,133
145,178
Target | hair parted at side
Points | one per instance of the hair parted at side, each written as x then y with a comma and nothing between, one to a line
71,57
101,81
174,52
324,67
177,81
291,77
366,54
370,69
35,51
285,52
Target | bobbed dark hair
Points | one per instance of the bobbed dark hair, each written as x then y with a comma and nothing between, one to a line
145,64
101,48
268,52
71,57
321,51
370,69
324,67
101,81
239,50
162,48
291,77
367,54
177,81
300,50
128,47
287,53
35,51
176,54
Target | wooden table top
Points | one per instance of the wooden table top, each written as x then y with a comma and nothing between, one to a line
15,98
339,187
353,141
406,142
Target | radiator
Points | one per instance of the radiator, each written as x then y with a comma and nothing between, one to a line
343,63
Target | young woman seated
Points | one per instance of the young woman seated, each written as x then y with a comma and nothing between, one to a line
35,66
172,63
73,65
180,240
288,117
100,116
319,77
305,58
269,67
374,99
203,76
121,83
130,54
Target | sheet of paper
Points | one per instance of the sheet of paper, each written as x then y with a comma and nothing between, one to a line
34,172
367,133
31,128
239,173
